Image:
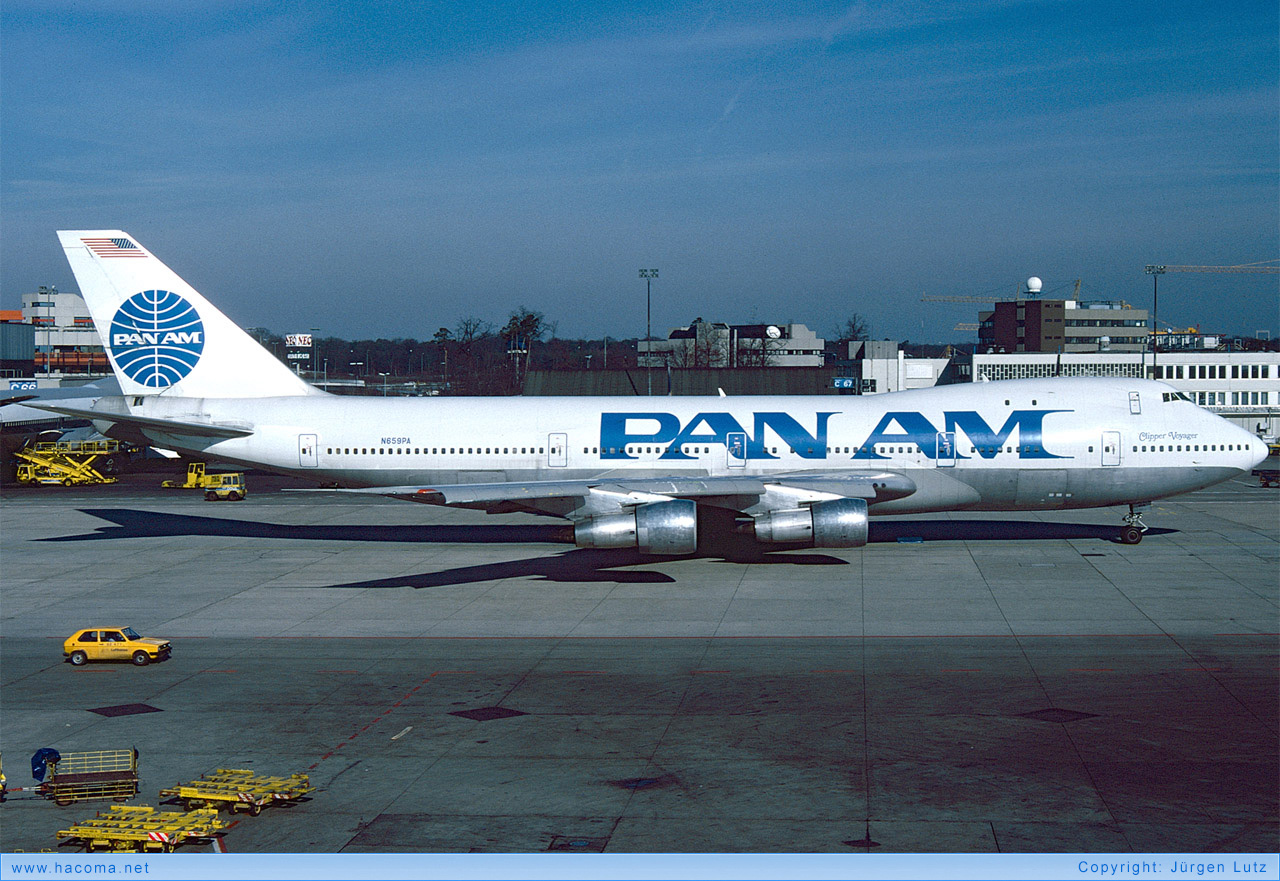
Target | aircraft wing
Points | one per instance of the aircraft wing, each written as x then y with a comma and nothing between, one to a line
168,426
614,492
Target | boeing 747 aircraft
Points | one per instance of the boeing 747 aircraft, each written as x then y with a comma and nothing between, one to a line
633,472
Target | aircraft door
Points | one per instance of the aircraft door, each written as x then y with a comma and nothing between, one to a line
557,450
735,448
1111,448
946,449
308,454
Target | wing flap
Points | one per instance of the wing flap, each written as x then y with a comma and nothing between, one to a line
874,486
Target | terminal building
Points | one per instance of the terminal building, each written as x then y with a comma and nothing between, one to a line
65,340
1243,387
877,366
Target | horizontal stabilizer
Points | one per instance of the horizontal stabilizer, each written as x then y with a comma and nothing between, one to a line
168,426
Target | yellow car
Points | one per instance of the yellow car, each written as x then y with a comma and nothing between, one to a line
114,644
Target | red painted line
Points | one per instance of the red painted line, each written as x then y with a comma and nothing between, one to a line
375,720
582,672
959,670
837,671
1205,669
1091,670
337,671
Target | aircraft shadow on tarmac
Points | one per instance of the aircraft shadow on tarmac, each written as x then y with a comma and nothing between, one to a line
577,565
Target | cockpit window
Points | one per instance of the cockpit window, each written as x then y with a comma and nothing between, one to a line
1177,396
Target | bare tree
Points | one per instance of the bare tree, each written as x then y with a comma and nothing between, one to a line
855,327
758,351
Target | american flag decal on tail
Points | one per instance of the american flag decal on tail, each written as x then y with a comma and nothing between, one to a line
113,248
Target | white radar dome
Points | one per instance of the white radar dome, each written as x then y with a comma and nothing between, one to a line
1034,285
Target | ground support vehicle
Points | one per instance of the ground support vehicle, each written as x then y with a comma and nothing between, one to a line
114,644
125,829
110,773
228,485
69,463
240,790
1268,470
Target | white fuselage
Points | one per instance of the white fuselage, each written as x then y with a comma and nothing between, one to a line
1016,445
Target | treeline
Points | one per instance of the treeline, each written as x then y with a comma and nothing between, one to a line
475,357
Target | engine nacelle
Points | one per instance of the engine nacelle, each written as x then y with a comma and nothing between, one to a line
657,528
839,523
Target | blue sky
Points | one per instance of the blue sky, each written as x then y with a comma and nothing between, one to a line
388,168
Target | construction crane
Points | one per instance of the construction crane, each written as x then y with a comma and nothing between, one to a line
962,298
992,298
1270,266
1155,270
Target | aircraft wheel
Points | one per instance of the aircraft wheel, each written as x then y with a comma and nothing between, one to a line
1130,535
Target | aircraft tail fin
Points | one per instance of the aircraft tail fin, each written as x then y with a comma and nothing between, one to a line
161,335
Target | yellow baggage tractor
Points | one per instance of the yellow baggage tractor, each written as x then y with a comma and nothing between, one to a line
111,773
124,829
240,790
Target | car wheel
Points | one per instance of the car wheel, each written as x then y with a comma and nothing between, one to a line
141,659
78,658
233,496
211,496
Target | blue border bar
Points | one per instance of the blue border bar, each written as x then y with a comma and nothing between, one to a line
534,867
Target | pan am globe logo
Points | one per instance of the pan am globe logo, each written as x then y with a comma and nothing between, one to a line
156,338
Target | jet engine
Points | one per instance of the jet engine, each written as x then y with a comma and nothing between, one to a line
656,528
839,523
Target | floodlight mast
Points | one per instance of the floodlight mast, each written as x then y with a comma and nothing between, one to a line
648,275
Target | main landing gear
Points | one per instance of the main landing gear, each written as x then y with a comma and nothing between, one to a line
1131,532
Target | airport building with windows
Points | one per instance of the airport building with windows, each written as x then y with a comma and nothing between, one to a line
1031,325
66,340
1243,387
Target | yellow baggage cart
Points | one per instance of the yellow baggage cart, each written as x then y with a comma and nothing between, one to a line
240,790
137,829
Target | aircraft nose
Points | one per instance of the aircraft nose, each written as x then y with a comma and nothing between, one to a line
1257,452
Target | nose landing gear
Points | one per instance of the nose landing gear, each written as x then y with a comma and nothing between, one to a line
1131,532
